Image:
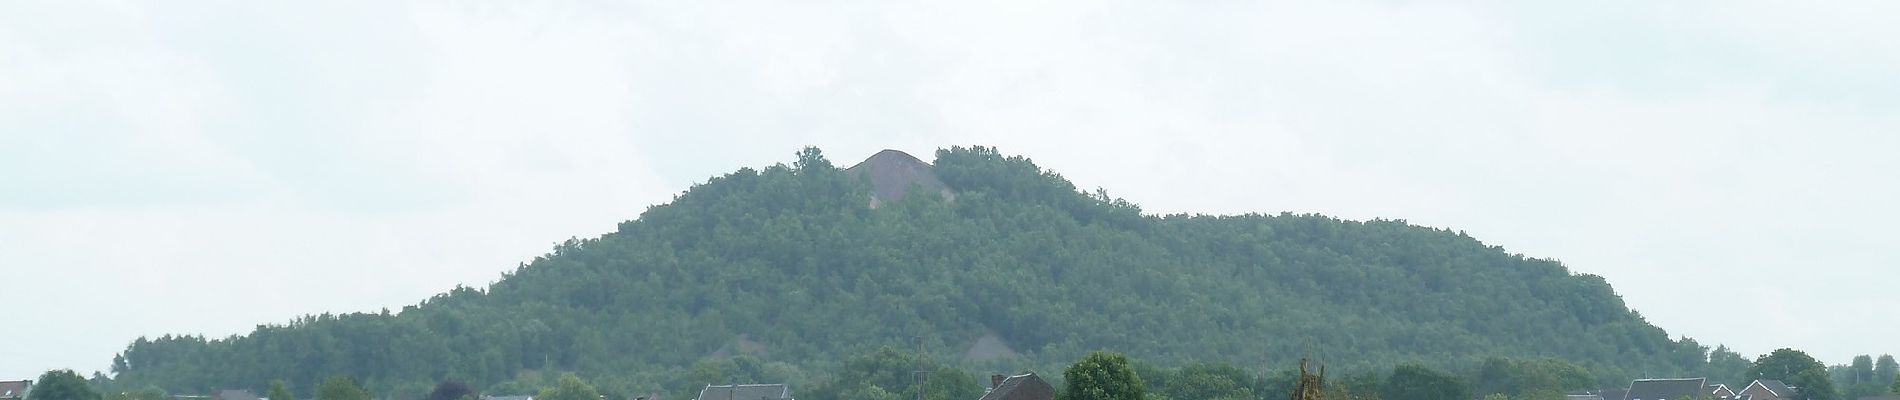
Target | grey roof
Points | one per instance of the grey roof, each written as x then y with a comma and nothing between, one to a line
1665,389
1780,389
15,389
234,395
1582,397
775,391
1612,393
1027,386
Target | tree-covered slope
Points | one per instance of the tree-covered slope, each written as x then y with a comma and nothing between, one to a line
786,272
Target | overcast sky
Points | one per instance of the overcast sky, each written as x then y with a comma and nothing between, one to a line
208,166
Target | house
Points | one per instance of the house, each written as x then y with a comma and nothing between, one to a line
1027,386
1582,397
776,391
487,397
15,390
1667,389
233,395
1723,392
1769,389
1719,391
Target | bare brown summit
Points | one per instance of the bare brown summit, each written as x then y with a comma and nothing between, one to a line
893,173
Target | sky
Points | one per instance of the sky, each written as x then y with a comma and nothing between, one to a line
204,167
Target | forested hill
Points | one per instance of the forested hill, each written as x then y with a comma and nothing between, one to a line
784,273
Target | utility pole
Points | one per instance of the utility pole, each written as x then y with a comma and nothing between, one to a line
919,375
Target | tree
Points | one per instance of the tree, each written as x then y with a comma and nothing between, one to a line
1859,379
62,384
569,387
869,392
450,390
1726,365
279,391
1208,382
1885,369
951,383
1531,379
1863,369
1102,375
341,388
1495,377
510,388
1796,369
811,159
1416,382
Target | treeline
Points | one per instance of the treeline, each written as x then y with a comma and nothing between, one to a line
1866,376
784,273
888,374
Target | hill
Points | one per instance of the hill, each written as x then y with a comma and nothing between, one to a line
785,273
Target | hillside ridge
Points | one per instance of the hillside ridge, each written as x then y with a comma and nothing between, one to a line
1012,256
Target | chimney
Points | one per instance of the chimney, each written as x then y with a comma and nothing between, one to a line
996,380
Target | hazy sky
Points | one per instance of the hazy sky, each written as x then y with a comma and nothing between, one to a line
205,167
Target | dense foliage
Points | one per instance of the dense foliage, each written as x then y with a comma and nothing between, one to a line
569,387
1865,376
784,274
341,388
1415,382
451,390
279,391
1103,376
1796,369
62,384
1531,379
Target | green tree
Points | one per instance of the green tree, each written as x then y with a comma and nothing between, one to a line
1797,369
811,159
1725,365
1102,375
1416,382
869,392
451,390
1539,379
1884,370
951,383
341,388
569,387
62,384
1496,376
1361,385
279,391
1863,369
1208,382
511,388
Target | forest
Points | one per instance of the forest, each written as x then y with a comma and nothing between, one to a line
784,274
